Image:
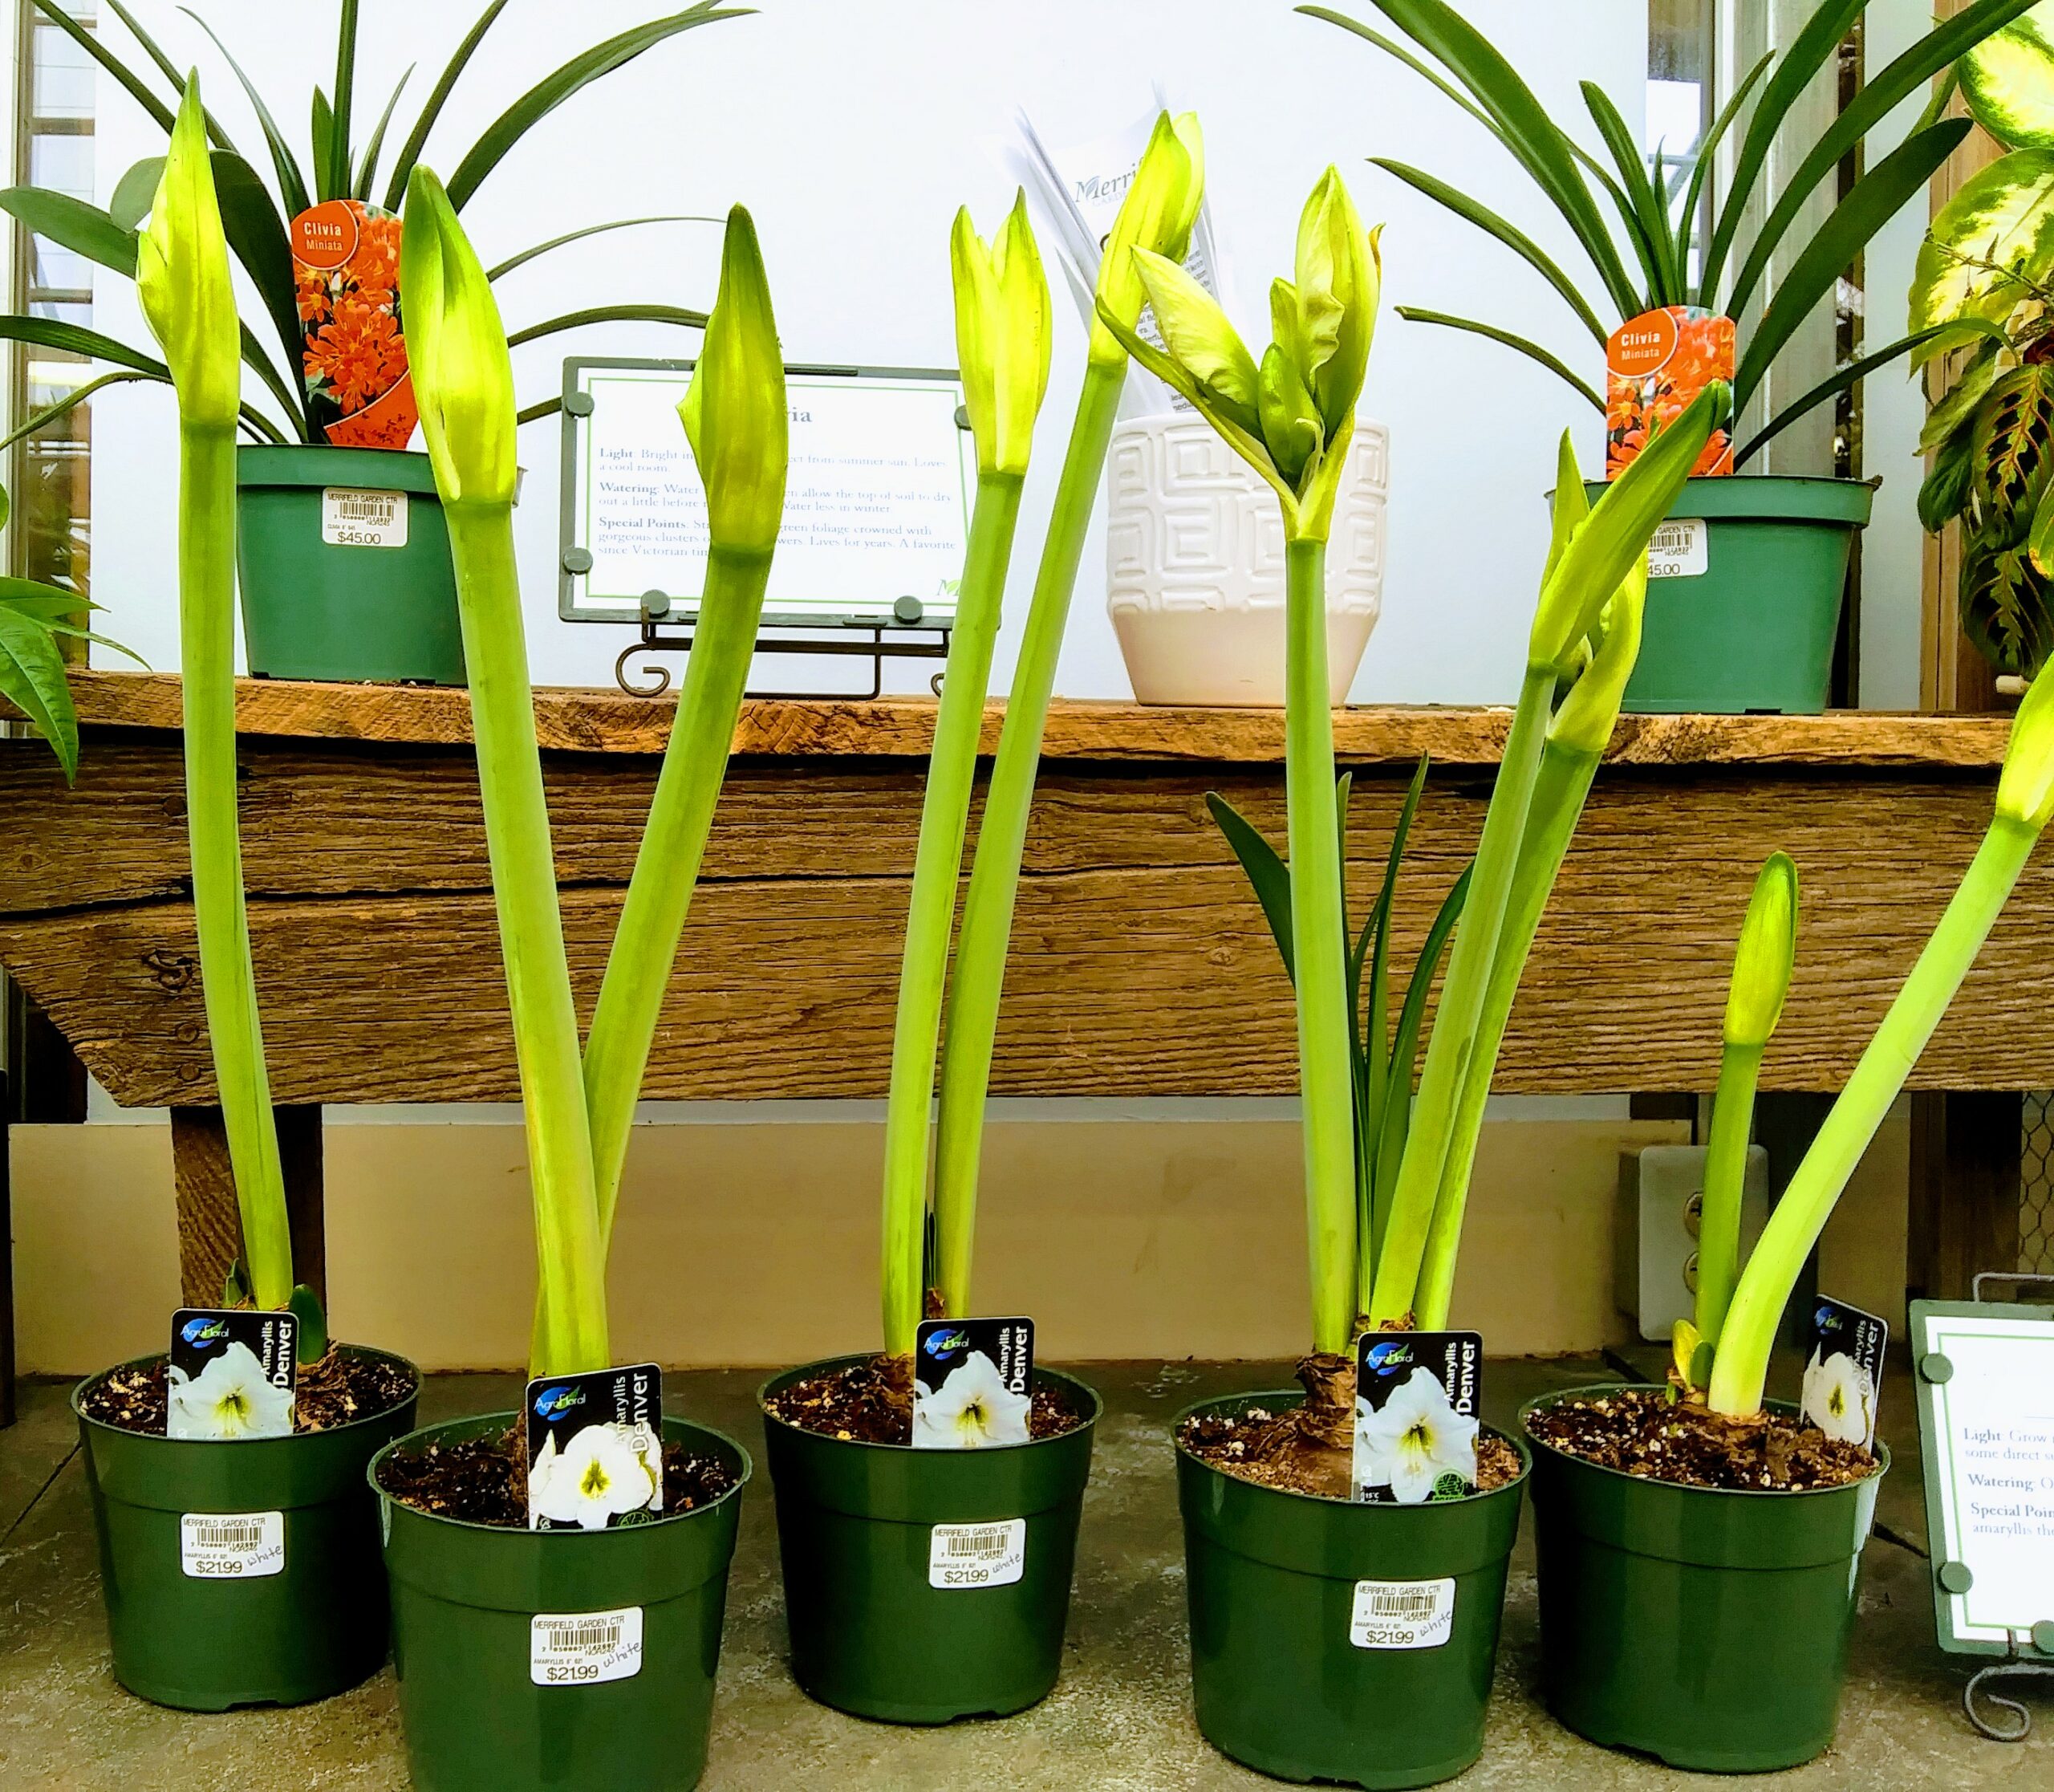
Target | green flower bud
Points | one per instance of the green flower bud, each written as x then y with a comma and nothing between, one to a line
1585,720
1157,214
734,411
1765,957
1003,335
182,276
1340,280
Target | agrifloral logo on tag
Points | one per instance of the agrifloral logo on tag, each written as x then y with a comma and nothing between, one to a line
1655,364
1415,1415
231,1373
346,281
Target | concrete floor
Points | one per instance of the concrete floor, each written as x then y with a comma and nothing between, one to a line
1120,1720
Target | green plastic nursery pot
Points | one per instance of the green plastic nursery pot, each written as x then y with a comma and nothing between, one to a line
307,1619
1297,1670
1705,1626
882,1625
345,569
489,1706
1745,621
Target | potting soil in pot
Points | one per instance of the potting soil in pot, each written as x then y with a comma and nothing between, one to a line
1242,1444
484,1480
341,1387
1642,1431
871,1402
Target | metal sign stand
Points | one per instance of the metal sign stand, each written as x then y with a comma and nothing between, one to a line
875,642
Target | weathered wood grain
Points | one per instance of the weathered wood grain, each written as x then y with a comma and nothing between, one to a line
609,721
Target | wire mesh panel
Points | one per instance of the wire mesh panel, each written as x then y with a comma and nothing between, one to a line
2036,1184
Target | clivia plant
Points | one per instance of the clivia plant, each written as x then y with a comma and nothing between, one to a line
1275,1549
1746,1518
310,1618
1986,273
975,1626
1678,278
649,1533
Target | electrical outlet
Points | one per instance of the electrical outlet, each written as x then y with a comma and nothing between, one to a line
1661,1191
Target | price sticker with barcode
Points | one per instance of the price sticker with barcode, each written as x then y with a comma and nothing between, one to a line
992,1554
231,1546
584,1648
1401,1614
353,519
1681,549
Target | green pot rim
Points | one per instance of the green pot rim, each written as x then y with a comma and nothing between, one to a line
91,1381
1291,1396
484,1421
1799,499
1880,1452
784,1378
291,465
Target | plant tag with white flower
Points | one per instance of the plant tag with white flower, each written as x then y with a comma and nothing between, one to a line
1416,1395
1844,1371
231,1546
231,1373
584,1648
973,1383
1401,1614
993,1554
595,1456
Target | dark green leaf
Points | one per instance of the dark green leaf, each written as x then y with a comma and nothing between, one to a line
1532,349
1514,238
70,339
321,129
257,235
367,168
133,83
579,72
1707,154
1411,1020
1643,211
1820,39
1540,146
609,313
2013,449
74,225
549,407
1377,933
292,184
1834,383
1425,69
1877,97
2005,607
1871,203
235,1288
311,1344
1265,871
32,678
77,395
513,261
395,191
338,176
1944,496
136,191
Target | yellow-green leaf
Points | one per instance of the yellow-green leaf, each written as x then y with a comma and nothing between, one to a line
2008,81
1999,225
1197,334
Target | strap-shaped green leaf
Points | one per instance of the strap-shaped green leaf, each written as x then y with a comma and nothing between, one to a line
513,261
337,180
1838,381
32,678
131,83
1507,232
1871,203
1877,98
609,313
322,128
292,183
430,109
136,191
367,170
1707,154
1412,314
256,235
73,224
547,94
72,338
1642,211
1267,874
1540,146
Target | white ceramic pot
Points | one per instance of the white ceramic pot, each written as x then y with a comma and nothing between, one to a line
1195,563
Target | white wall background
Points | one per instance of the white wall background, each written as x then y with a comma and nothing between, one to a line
853,131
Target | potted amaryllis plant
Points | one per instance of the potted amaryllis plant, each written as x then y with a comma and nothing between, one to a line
1746,613
238,1550
1700,1545
343,552
1986,273
925,1584
557,1612
1388,1605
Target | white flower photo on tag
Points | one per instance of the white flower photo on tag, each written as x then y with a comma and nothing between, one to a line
970,1384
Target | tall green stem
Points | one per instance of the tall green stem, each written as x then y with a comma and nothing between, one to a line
971,1024
228,980
937,865
571,1336
1559,790
1320,950
1740,1367
666,864
1725,1181
1456,1021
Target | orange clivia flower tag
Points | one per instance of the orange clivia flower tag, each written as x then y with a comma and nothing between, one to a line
1655,364
346,281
